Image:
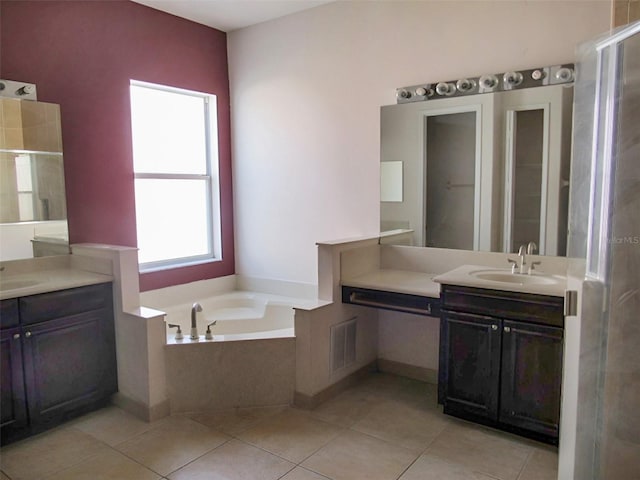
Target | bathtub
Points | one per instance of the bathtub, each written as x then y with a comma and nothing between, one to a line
249,362
238,316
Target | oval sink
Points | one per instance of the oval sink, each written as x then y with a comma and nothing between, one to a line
512,278
15,284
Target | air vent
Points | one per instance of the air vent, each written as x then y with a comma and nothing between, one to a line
343,344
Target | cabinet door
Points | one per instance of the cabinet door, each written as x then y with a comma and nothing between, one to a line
531,377
66,365
13,408
471,356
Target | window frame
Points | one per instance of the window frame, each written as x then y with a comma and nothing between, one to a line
211,177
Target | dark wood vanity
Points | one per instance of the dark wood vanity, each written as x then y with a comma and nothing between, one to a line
500,350
501,357
58,357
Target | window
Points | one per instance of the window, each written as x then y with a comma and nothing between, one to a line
175,163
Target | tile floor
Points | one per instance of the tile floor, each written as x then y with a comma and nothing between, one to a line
385,428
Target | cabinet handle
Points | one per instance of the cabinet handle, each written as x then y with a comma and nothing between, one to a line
16,336
507,329
27,334
494,327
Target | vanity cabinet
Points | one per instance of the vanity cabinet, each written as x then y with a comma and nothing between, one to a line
501,359
58,358
13,407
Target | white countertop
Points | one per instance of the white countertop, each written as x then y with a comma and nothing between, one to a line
32,283
398,281
553,285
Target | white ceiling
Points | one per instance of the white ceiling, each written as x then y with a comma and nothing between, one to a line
228,15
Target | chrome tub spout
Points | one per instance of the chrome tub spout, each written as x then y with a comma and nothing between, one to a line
194,329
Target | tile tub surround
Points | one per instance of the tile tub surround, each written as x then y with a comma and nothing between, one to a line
362,434
213,375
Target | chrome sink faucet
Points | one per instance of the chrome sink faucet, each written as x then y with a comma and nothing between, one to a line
532,247
518,266
523,258
194,329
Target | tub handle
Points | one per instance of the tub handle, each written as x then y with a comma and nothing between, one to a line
179,335
208,335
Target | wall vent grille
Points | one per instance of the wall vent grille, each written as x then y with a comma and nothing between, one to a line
343,344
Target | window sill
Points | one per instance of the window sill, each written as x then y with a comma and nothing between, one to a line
174,266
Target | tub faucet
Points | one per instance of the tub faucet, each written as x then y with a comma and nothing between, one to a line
194,329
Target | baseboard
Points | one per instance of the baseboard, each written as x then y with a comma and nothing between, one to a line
309,402
140,410
423,374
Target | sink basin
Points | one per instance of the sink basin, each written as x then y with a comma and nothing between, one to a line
15,284
512,278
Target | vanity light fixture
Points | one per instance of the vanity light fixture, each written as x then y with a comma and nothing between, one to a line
464,85
492,82
538,74
445,89
512,80
22,90
488,83
564,74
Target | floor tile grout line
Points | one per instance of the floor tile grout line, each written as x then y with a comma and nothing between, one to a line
383,440
408,466
194,459
288,460
75,462
113,447
314,471
524,465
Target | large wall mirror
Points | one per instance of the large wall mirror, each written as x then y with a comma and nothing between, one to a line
33,213
486,172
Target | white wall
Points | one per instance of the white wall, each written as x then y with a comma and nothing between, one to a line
306,91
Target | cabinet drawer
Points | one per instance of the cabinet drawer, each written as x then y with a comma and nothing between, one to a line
48,306
400,302
541,309
9,313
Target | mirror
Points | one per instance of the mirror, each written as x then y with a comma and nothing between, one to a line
33,213
483,172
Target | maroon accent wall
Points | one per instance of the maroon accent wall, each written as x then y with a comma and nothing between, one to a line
81,55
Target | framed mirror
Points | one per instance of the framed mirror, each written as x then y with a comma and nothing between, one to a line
33,213
482,172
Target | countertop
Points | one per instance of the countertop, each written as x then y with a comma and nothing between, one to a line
553,285
398,281
43,281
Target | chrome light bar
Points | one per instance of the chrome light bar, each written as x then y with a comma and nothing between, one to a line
493,82
12,89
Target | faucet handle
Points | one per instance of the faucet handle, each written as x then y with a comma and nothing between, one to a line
532,266
514,264
207,334
179,335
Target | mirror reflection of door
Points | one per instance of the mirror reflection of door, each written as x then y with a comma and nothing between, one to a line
526,167
536,163
452,154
